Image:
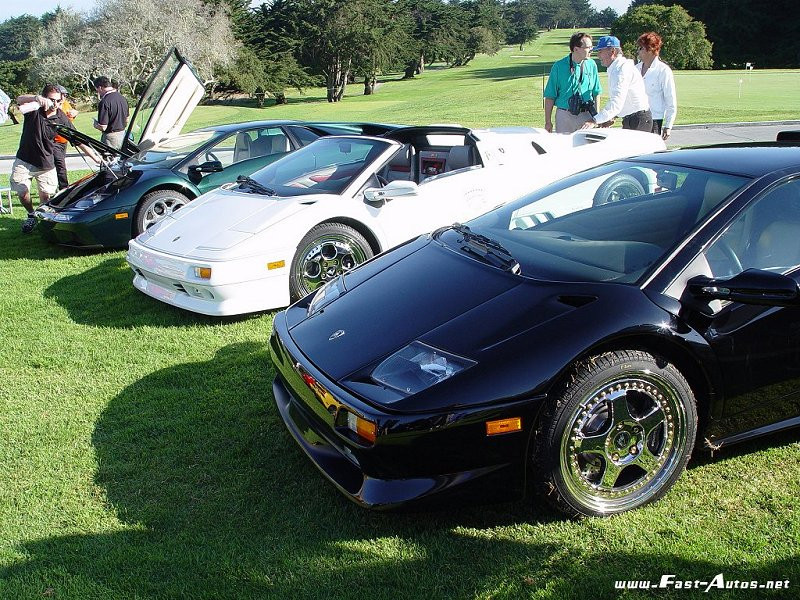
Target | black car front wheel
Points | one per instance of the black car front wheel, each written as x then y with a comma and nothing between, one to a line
616,436
327,251
155,206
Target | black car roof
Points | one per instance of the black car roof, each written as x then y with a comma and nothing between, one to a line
752,160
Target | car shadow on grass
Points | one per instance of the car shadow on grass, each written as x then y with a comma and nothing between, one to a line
104,296
16,245
214,500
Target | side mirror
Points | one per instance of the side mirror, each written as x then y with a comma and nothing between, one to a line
667,180
392,190
211,166
752,286
788,136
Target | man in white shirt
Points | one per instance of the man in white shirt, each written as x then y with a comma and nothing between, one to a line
627,96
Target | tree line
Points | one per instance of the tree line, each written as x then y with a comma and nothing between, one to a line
265,50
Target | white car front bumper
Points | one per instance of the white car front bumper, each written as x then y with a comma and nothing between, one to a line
235,287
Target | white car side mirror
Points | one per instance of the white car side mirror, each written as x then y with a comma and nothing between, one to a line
392,190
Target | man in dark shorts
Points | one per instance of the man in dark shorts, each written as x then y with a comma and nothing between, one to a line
112,113
35,155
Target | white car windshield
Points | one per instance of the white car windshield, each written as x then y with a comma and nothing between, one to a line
611,223
327,165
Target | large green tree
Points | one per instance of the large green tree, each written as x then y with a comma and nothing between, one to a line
17,36
519,17
384,42
604,18
685,43
553,13
483,33
438,32
267,64
763,32
579,13
343,37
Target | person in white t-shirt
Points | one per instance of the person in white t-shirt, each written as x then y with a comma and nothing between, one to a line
658,83
627,96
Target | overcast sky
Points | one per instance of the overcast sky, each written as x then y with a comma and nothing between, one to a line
15,8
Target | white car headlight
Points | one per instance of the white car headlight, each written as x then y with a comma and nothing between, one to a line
417,367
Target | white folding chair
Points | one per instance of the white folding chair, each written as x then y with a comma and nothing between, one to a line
6,192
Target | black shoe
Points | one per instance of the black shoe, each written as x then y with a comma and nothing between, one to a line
28,224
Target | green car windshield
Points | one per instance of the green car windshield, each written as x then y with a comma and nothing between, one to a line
610,223
174,149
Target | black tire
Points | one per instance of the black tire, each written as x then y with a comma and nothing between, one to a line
325,252
615,436
616,188
155,206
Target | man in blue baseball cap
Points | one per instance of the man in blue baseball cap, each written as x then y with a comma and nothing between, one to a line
627,95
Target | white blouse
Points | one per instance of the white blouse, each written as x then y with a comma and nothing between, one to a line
660,86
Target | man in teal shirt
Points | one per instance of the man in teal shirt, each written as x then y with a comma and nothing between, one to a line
573,87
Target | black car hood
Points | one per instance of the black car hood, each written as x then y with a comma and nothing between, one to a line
431,294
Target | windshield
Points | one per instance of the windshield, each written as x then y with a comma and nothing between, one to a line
610,223
326,166
176,148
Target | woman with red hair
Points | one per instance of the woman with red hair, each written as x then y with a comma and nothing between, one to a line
658,82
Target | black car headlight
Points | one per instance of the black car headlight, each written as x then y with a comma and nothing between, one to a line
417,367
326,294
88,201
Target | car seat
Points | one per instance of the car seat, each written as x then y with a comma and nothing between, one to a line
401,165
777,243
241,148
459,157
280,144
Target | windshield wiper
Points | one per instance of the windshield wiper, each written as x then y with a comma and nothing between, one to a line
487,249
245,181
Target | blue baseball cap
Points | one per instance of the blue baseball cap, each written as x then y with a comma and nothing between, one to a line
607,41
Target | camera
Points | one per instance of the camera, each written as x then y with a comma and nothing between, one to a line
577,105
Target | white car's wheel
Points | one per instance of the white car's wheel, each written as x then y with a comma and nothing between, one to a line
616,436
327,251
616,188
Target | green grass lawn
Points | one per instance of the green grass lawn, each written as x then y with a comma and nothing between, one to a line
141,455
505,89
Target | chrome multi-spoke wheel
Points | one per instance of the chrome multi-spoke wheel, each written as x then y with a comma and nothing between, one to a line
621,433
327,251
156,206
618,187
